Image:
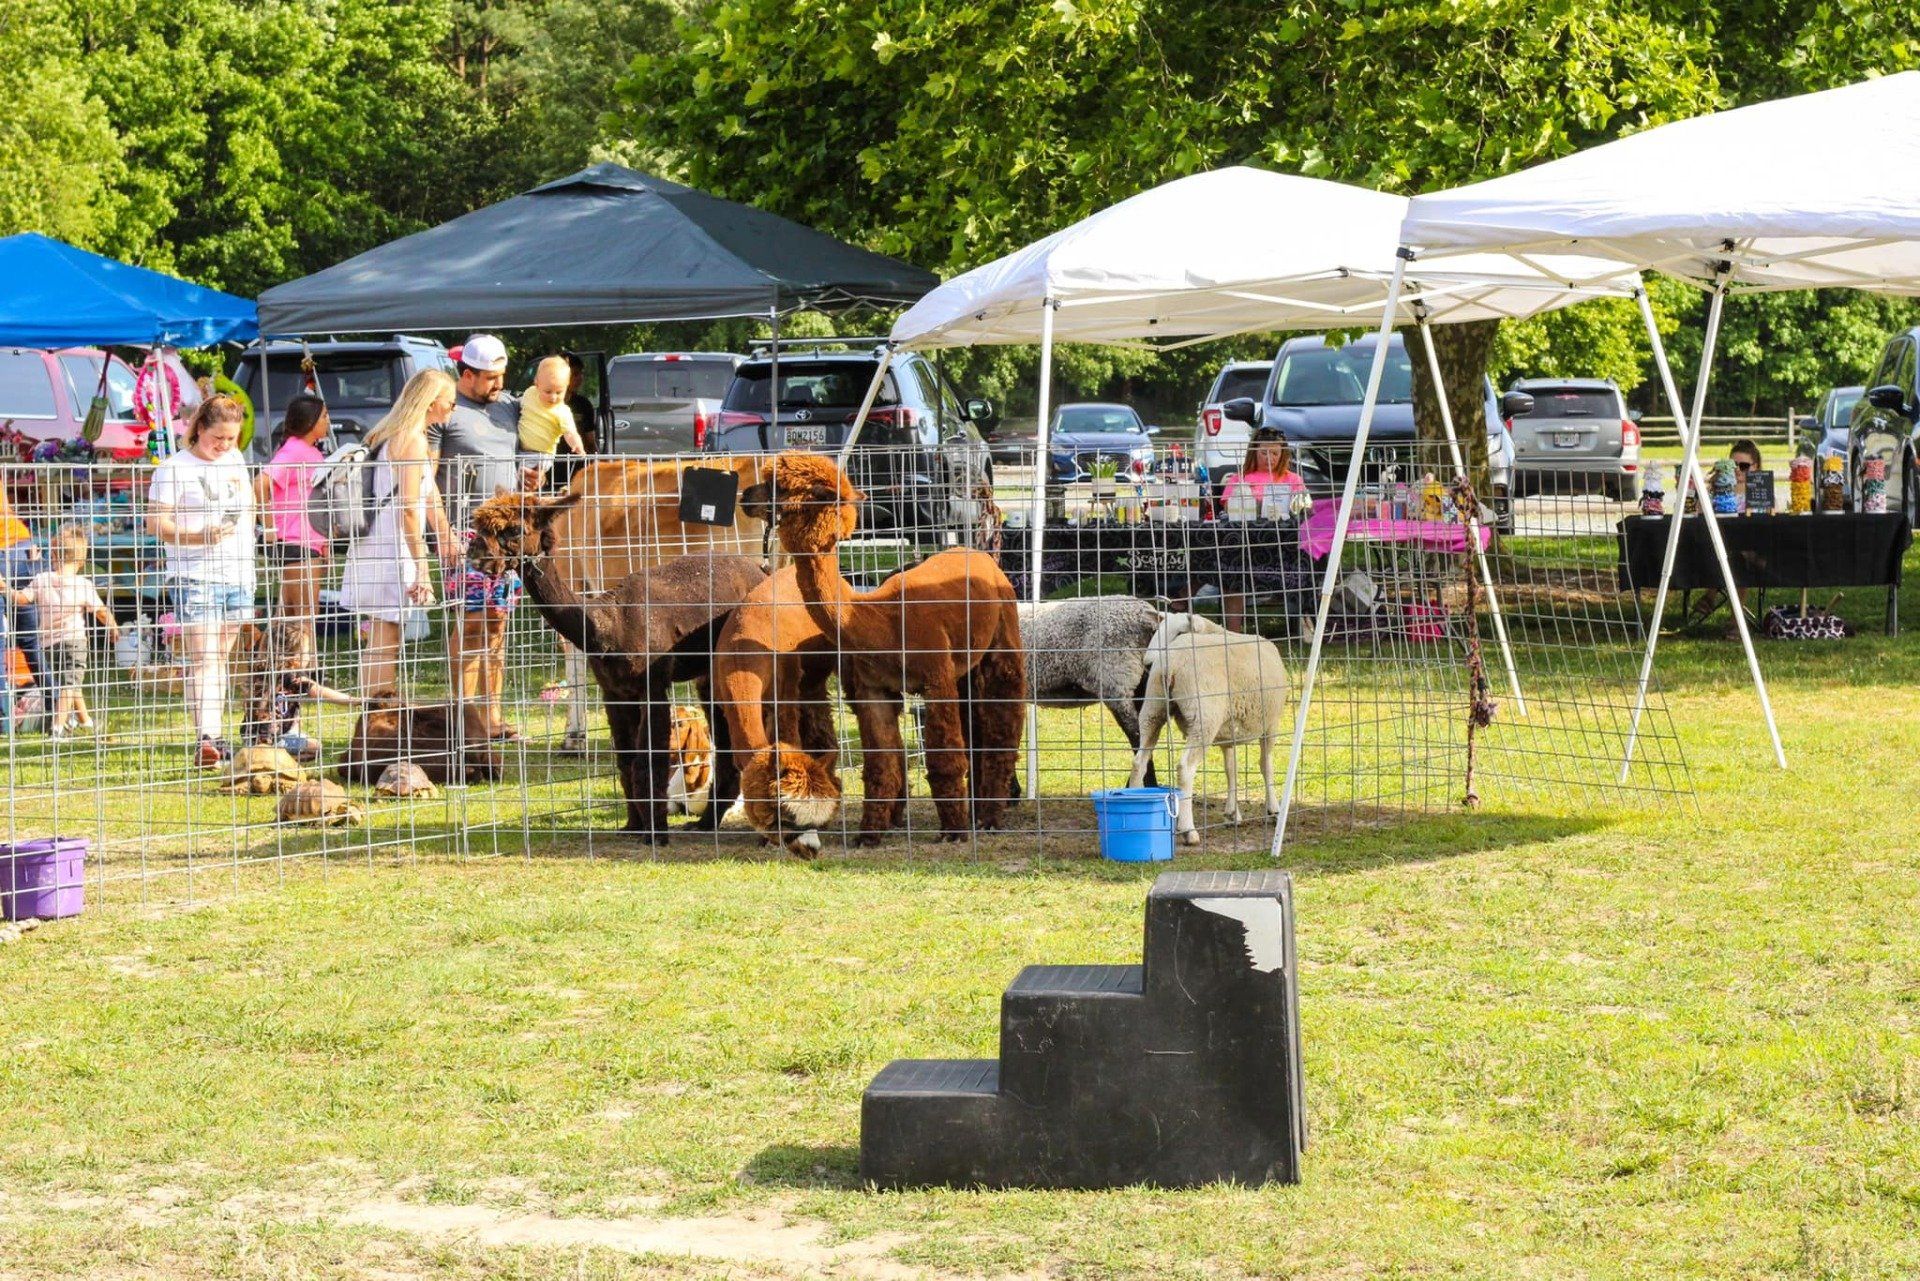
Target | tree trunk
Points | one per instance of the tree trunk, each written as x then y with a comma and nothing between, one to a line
1463,351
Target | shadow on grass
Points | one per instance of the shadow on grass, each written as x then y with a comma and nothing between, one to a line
797,1165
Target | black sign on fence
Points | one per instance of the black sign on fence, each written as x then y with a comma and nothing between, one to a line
707,496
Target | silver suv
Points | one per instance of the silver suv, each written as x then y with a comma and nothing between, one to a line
1578,438
358,380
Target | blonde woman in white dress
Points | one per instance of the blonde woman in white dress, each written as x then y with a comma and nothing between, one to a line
388,572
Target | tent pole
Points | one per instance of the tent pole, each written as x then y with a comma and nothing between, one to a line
1691,476
773,383
1341,521
1473,517
1037,522
866,404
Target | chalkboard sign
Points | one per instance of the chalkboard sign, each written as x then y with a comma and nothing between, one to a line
707,496
1759,492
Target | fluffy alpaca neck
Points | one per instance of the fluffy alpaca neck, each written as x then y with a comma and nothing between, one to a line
838,610
588,628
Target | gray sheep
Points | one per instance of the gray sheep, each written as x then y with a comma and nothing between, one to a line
1091,649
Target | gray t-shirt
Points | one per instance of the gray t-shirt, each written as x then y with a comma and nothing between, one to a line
476,446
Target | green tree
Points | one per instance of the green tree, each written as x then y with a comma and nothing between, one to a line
58,153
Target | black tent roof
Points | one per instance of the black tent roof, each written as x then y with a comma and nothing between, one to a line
607,245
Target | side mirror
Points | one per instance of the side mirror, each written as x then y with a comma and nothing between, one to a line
1516,404
1153,431
1240,410
1890,398
980,411
1806,422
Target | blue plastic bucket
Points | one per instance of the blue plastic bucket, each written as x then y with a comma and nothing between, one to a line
1136,823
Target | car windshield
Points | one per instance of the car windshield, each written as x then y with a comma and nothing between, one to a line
1840,407
1573,402
1097,418
808,385
1236,383
649,378
359,380
1339,377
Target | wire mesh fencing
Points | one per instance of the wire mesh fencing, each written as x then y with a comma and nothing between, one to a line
710,654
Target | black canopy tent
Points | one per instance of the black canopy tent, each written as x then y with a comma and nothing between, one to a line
606,246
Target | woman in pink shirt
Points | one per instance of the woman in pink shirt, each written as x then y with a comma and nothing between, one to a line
281,494
1268,462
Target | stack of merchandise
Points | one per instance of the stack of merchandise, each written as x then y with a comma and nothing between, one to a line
1873,486
1833,484
1653,492
1726,498
1800,486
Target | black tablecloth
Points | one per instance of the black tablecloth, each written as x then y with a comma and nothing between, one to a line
1240,558
1840,550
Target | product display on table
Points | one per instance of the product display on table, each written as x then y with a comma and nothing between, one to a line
1800,486
1653,491
1726,499
1873,486
1833,484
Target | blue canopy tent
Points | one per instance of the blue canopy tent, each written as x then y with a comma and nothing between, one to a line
57,296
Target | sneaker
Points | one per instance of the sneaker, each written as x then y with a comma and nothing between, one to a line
57,734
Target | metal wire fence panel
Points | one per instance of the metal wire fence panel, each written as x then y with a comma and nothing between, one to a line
607,668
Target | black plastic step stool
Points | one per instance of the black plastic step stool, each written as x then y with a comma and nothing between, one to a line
1182,1071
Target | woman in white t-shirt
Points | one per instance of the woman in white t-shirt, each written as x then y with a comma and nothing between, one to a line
200,506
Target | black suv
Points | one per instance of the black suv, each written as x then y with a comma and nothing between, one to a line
920,454
1886,423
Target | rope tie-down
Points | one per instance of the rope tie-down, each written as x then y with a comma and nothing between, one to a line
1480,705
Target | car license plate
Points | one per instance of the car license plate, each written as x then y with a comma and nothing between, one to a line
807,436
1567,439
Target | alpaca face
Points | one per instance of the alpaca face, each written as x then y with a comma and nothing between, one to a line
814,505
789,794
506,531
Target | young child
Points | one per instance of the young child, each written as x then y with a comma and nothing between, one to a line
486,603
65,597
545,421
282,675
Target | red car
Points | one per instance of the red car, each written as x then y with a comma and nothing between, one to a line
44,396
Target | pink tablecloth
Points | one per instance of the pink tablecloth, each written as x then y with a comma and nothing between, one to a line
1316,532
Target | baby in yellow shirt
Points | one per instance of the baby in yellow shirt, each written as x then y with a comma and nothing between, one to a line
545,421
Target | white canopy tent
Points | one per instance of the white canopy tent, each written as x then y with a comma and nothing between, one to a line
1232,251
1704,200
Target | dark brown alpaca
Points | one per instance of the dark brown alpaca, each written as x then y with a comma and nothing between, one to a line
949,627
651,629
770,670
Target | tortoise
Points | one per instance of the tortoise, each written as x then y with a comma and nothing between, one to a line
320,801
405,779
261,770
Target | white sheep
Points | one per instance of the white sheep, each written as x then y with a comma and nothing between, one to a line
1220,687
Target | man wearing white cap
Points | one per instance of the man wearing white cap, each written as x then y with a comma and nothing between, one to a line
475,448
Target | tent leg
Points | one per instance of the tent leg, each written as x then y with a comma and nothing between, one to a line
866,404
1691,477
1037,522
1472,518
1341,521
768,432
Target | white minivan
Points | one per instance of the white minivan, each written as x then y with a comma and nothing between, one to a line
1220,443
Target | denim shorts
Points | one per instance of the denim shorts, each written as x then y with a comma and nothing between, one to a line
196,602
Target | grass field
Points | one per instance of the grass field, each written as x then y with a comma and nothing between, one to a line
1660,1040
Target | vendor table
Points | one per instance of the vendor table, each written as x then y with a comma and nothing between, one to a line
1172,559
1796,552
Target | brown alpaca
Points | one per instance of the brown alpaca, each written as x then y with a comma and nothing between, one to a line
624,518
770,670
649,630
948,625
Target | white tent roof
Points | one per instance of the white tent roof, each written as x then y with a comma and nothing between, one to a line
1231,251
1814,191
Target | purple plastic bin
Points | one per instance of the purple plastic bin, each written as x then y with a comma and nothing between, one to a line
45,878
